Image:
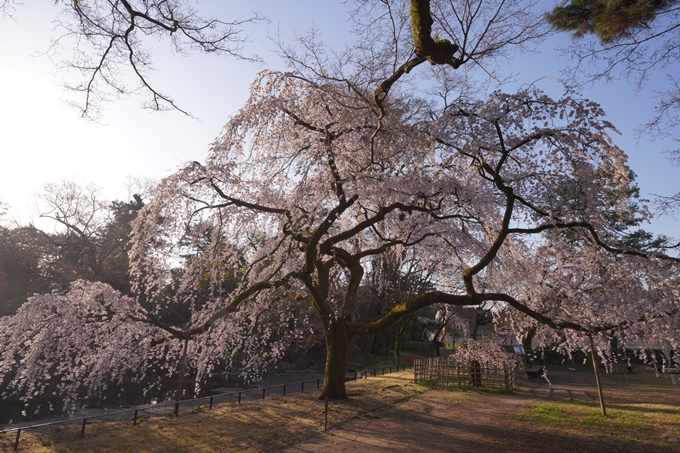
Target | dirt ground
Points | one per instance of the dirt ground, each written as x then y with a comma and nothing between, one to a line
391,413
485,423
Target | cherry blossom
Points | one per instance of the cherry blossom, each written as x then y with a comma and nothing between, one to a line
510,197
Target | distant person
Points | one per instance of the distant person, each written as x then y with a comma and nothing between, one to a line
572,362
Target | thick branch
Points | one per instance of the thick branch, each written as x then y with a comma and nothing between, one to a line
394,315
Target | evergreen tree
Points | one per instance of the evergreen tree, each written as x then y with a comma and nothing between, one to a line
610,20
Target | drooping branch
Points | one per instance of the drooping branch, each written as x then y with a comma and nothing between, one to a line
231,308
245,204
596,239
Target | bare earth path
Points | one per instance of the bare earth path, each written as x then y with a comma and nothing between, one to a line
444,421
391,413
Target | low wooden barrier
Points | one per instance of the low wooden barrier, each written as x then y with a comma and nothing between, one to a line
448,372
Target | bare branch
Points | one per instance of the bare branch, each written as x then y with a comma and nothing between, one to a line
110,58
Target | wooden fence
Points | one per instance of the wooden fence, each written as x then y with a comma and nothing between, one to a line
446,371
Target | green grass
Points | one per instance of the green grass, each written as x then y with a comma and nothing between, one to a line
655,425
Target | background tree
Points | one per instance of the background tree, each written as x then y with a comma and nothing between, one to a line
391,278
91,236
609,21
90,240
22,253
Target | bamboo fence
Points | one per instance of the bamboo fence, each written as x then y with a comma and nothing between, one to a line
449,372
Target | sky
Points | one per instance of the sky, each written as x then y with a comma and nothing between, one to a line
42,140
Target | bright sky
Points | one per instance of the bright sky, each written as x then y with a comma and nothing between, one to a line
42,140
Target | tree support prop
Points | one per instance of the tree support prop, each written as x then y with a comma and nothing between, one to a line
597,376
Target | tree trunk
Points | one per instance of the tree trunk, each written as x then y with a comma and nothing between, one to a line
397,340
182,370
527,341
337,350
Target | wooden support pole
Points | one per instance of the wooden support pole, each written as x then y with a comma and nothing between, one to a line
597,375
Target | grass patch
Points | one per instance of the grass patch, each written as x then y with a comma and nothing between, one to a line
547,412
651,427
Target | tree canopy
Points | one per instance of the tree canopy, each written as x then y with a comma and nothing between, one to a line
517,199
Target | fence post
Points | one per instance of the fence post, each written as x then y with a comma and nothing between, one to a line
177,409
134,419
263,390
302,387
284,389
16,442
505,374
325,418
211,401
318,383
239,397
82,431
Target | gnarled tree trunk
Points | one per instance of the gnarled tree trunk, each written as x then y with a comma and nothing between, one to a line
338,343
